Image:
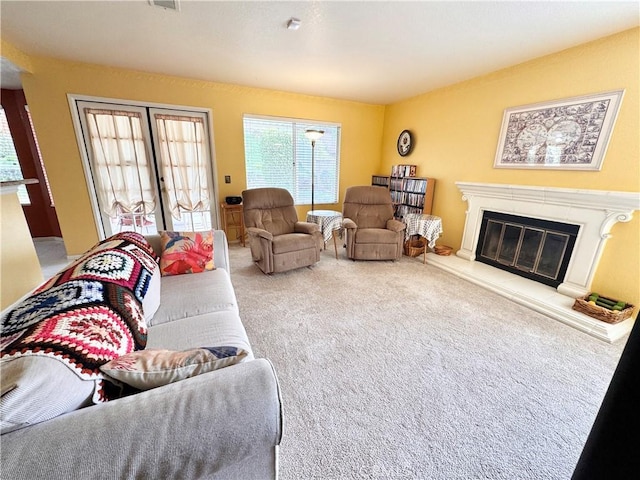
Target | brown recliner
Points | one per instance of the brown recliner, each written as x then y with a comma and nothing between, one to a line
278,241
372,232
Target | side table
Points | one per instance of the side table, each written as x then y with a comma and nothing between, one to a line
233,217
427,226
329,221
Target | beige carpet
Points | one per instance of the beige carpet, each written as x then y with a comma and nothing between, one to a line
397,370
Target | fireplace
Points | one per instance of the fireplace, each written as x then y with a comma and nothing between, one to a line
586,218
595,211
532,248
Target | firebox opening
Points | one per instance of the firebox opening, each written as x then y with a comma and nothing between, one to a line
532,248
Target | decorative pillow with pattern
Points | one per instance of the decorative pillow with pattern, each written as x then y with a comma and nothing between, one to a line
154,367
186,252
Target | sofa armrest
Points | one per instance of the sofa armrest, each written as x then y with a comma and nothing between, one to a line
306,227
348,223
202,427
395,225
259,232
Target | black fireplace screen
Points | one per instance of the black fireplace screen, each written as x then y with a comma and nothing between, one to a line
532,248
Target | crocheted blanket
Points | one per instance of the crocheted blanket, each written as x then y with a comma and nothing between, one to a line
88,314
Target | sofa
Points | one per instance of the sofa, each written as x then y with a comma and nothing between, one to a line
222,424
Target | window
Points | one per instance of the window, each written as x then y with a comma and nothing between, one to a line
9,165
277,154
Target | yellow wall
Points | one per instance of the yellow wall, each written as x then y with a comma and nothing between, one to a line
15,56
47,88
19,267
455,128
456,132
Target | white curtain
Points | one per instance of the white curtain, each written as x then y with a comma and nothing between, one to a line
123,177
182,153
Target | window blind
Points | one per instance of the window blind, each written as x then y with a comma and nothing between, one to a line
277,154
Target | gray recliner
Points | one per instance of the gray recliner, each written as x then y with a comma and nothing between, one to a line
372,232
278,241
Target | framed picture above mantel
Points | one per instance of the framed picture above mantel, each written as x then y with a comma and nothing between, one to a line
569,134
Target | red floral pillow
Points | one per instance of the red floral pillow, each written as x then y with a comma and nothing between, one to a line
186,252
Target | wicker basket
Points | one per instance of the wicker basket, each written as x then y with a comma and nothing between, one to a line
601,313
442,250
414,246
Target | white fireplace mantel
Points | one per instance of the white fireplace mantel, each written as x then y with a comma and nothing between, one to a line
594,211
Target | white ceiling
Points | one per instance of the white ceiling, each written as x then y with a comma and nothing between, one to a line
376,52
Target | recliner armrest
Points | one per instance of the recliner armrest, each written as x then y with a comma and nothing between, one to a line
348,223
395,225
259,232
306,227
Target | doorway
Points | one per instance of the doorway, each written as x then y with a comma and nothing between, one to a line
20,159
148,168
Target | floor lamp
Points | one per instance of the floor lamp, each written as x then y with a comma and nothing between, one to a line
313,135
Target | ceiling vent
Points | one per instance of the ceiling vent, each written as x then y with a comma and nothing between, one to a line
166,4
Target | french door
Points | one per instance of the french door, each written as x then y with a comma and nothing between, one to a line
149,169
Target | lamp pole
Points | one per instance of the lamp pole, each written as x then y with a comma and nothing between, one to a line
313,173
313,135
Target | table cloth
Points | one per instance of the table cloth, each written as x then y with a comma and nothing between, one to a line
427,226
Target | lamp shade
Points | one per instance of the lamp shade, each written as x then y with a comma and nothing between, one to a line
313,135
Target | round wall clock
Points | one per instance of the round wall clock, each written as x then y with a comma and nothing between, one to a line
405,143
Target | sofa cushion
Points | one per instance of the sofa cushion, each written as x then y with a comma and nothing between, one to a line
216,328
186,252
190,295
155,367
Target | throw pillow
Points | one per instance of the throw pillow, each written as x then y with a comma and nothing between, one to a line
152,368
186,252
38,388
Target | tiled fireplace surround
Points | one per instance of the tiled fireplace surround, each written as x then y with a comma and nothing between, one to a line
595,211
